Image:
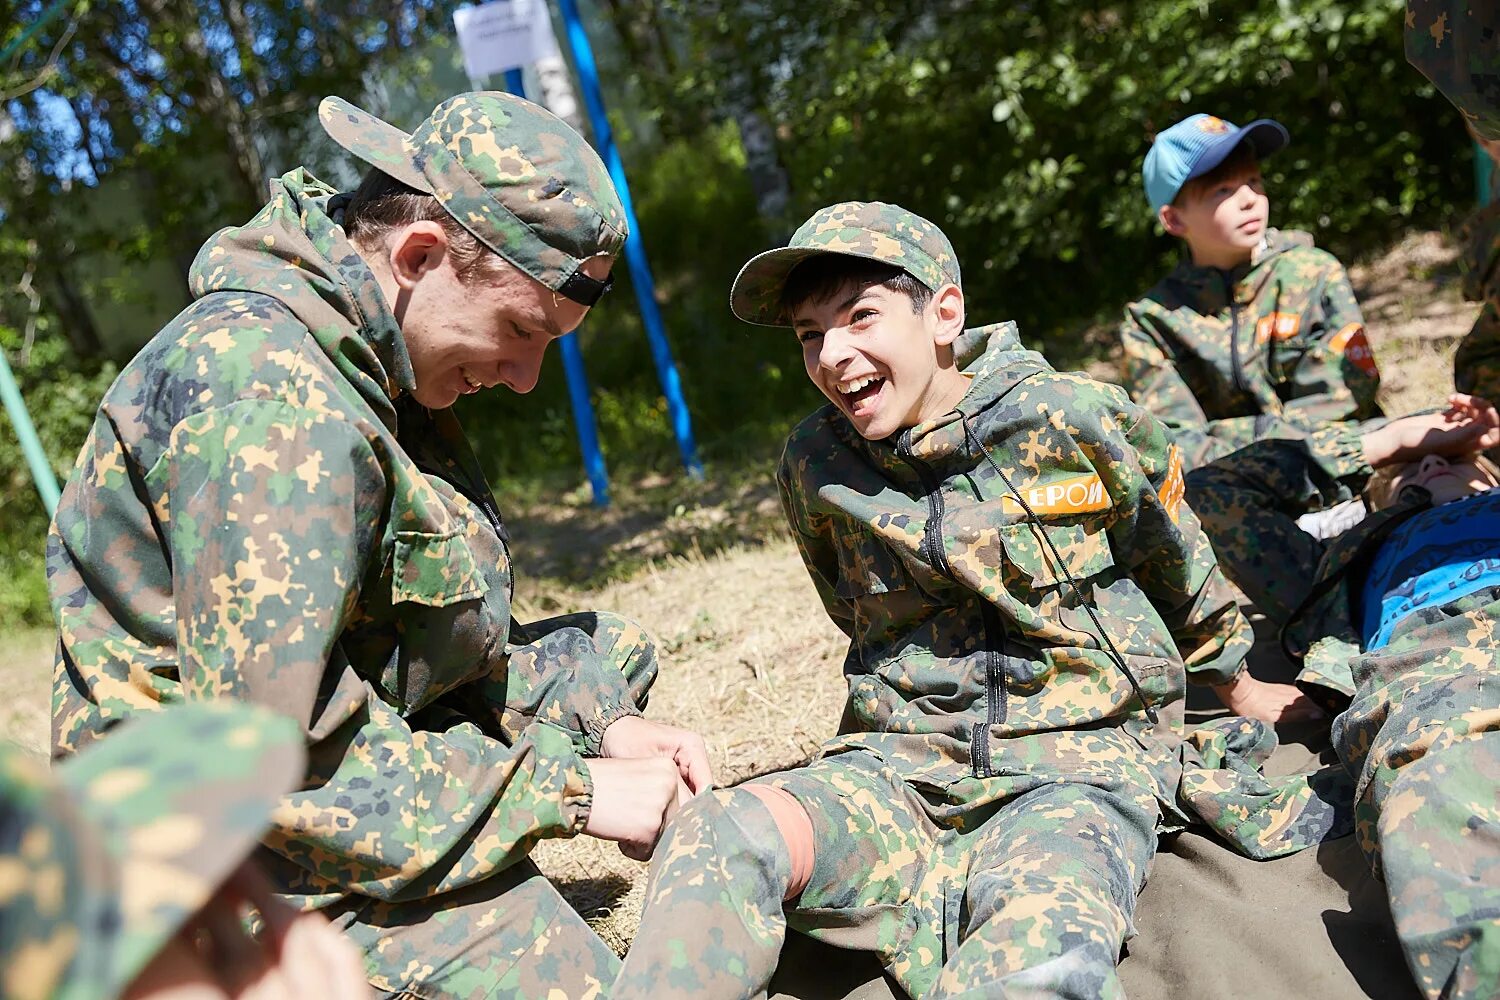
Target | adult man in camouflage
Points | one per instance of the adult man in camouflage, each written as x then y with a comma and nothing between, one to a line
1025,596
275,504
1457,47
126,868
1396,624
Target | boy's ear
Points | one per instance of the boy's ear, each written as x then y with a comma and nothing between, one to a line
1171,220
416,249
948,306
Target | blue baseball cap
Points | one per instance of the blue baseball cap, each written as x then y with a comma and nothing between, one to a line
1198,144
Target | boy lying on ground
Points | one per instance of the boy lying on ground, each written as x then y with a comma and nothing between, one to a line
1026,594
1399,619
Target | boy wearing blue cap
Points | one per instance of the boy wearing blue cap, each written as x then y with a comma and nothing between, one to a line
1256,333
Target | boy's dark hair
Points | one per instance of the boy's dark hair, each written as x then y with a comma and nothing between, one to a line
1240,159
818,279
381,204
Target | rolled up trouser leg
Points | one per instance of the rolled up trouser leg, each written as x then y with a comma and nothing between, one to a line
713,924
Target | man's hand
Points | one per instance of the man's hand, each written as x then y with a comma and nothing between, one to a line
633,736
1265,701
214,957
1469,424
634,800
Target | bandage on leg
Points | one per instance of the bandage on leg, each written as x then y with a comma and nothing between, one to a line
795,827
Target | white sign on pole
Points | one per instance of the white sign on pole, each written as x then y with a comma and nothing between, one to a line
504,34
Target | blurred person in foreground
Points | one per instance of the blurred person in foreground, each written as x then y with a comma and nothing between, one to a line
277,505
1396,622
126,871
1026,598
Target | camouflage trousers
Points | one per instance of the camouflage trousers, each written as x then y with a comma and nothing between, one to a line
512,935
1422,738
1251,518
1032,896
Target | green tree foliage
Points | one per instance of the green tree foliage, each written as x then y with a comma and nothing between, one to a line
1018,127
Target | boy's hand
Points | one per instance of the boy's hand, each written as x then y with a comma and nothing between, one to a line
1267,702
633,736
634,800
1469,424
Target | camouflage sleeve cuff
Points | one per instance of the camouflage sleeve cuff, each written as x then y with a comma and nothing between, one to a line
578,797
565,781
593,729
1216,673
1340,449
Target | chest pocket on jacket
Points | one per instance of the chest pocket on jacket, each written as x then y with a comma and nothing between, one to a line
866,567
1079,553
434,569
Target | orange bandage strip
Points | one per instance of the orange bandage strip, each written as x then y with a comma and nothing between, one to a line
796,830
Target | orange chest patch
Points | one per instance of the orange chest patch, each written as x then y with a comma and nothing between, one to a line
1074,495
1281,326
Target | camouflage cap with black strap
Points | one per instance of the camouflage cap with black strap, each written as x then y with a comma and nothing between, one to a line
872,230
106,858
510,172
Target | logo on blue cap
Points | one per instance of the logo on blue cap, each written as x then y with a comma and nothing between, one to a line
1198,144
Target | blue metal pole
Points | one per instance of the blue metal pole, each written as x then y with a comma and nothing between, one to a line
1484,174
31,447
578,380
635,249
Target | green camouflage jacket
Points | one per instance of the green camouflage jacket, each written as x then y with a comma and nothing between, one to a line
1275,349
973,650
261,512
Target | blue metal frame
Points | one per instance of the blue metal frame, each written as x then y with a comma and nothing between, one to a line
635,250
584,423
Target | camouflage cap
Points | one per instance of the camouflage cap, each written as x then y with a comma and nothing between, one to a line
510,172
869,229
104,860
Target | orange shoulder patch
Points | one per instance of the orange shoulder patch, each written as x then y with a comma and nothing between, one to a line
1352,343
1172,488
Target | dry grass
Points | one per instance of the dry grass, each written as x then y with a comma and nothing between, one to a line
27,680
1416,317
748,657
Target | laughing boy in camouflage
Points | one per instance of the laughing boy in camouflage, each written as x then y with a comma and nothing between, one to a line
1397,621
275,504
1025,595
1256,333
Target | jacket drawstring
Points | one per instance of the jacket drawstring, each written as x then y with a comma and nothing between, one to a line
1135,685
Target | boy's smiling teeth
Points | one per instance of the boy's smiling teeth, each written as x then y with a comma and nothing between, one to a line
854,385
473,384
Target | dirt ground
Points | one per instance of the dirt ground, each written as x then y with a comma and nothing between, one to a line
748,657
